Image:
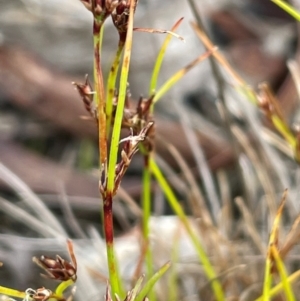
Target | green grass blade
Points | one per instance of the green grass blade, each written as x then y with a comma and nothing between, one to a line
160,57
174,203
111,85
283,129
121,101
151,282
178,75
114,276
12,293
278,288
135,290
283,275
288,8
273,240
267,280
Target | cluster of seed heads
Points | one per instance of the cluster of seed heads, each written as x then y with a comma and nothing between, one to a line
117,9
56,268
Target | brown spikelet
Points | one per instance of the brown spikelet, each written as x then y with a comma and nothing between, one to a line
87,94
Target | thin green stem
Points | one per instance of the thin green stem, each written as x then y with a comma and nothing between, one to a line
136,288
146,172
284,130
151,282
114,276
267,280
159,59
178,75
62,287
279,287
24,295
283,275
207,266
121,101
111,84
288,8
12,293
273,239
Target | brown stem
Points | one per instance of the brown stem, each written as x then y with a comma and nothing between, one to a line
108,219
99,88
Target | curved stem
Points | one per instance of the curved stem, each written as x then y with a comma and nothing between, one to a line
207,266
62,287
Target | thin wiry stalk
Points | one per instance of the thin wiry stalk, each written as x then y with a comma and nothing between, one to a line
251,95
146,195
207,266
151,282
121,101
288,290
160,57
273,240
12,293
288,8
179,74
111,84
101,117
107,202
114,276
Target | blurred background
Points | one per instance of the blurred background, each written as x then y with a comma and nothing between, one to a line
46,45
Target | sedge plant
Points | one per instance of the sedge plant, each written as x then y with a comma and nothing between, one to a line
111,110
57,269
108,103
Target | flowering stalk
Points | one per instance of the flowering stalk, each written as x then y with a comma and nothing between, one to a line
147,178
102,124
99,88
